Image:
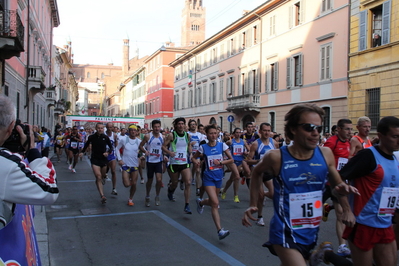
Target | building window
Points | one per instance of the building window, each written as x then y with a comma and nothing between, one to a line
230,86
373,106
88,75
294,71
212,92
326,119
214,55
242,83
272,119
199,96
232,47
326,5
102,75
272,26
379,18
6,90
183,100
295,14
272,77
325,61
255,34
253,82
243,40
94,113
222,51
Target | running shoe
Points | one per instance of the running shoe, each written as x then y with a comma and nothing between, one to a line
187,209
223,194
243,180
260,222
113,192
103,180
344,251
147,201
170,196
181,185
326,211
197,192
317,256
236,199
200,209
223,233
157,201
142,181
130,202
70,167
103,199
73,170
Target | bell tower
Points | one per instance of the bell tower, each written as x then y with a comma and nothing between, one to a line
193,23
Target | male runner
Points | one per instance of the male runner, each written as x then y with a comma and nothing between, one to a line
375,172
195,138
73,151
256,152
101,148
111,157
129,161
299,173
177,146
153,142
340,146
361,140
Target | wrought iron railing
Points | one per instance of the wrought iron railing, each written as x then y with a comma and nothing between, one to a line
11,25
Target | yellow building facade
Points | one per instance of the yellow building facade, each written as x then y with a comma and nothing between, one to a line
374,60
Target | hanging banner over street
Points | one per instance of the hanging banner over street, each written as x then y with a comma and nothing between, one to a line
73,120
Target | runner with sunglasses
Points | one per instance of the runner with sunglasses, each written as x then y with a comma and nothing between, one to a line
299,174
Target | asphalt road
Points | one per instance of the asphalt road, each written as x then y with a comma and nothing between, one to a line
82,231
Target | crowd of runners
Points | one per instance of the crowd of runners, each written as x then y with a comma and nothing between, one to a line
306,175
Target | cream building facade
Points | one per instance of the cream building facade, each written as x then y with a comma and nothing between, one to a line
277,55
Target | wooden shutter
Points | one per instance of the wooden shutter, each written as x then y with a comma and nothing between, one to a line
386,22
362,30
289,72
275,77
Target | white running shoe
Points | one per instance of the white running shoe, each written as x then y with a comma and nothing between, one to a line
223,233
260,222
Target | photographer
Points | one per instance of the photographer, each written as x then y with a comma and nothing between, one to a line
21,182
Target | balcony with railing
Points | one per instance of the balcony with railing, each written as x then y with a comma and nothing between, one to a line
59,107
36,77
11,34
246,102
50,96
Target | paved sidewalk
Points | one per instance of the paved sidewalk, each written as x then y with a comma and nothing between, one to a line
41,230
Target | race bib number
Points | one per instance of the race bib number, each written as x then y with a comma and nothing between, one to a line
59,141
341,163
211,162
155,152
74,145
306,209
238,150
388,201
181,157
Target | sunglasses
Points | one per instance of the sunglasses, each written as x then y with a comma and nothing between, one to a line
311,127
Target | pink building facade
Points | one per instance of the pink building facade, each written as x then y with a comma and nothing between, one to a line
27,77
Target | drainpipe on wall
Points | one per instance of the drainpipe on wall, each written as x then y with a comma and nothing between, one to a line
27,65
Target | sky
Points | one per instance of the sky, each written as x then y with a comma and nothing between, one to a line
97,28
